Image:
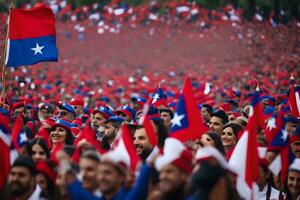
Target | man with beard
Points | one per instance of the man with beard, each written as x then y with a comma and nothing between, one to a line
111,128
295,142
22,180
141,142
98,119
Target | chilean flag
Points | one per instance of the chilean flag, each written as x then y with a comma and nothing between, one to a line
294,100
187,122
244,159
19,137
31,36
159,98
5,142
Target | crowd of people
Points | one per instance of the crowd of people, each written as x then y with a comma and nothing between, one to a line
70,124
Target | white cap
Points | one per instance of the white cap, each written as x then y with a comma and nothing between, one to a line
295,166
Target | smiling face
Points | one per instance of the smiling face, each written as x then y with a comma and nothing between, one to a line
228,137
38,153
58,135
293,182
207,140
142,143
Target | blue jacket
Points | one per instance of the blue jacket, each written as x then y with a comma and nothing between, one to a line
140,188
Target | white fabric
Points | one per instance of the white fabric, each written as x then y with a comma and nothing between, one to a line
295,166
262,195
36,194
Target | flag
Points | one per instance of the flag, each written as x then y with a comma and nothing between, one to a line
276,134
294,100
187,122
18,134
5,142
124,150
244,159
159,98
31,37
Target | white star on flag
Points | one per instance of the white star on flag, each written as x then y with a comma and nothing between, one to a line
177,119
37,49
23,137
271,123
156,96
284,135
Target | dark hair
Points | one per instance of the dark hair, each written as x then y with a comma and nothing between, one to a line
42,143
162,132
235,127
171,113
69,138
208,108
25,161
222,115
218,142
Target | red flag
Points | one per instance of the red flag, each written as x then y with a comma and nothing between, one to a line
19,137
5,143
187,122
294,100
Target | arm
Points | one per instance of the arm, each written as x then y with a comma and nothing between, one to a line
76,192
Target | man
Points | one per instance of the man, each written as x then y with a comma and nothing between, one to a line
295,142
66,112
127,113
137,103
266,191
111,128
18,109
88,165
206,111
78,106
142,143
293,180
98,120
45,111
174,176
22,180
167,116
218,119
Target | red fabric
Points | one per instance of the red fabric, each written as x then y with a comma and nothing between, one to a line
16,130
36,22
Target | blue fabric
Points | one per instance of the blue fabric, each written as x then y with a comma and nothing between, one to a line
21,52
140,189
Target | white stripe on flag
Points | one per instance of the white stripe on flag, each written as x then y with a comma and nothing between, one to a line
5,138
297,102
275,166
7,51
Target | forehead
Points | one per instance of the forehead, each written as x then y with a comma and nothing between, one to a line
165,113
98,115
216,119
170,167
294,174
20,169
140,132
228,129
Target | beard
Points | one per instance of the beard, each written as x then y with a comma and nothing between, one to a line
17,189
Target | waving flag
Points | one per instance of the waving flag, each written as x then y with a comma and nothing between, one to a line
31,37
244,159
5,143
159,98
187,122
19,137
124,151
294,100
276,134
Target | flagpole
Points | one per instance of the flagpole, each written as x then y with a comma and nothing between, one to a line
4,72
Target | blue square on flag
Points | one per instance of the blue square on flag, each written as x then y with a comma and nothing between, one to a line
31,37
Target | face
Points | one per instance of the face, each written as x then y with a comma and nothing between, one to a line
63,114
29,113
46,113
295,146
88,172
38,153
41,180
293,182
19,111
165,116
290,127
109,130
171,178
20,180
97,121
142,143
228,137
205,114
58,135
127,118
78,110
207,140
109,179
216,124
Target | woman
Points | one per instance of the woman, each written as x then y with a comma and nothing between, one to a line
213,139
45,176
293,181
230,134
61,133
38,150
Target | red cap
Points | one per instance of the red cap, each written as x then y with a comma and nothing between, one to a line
44,168
185,161
76,102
